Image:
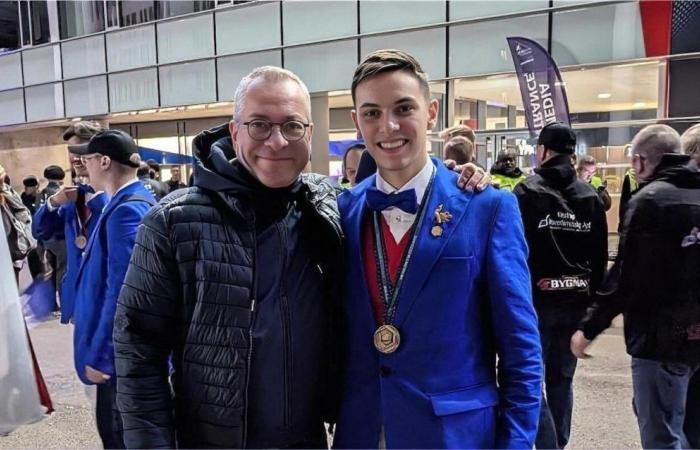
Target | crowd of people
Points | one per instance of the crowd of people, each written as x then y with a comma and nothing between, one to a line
418,303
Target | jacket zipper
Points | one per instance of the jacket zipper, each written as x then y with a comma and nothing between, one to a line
286,331
250,338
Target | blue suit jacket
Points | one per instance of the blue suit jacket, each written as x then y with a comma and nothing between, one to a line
466,299
101,275
62,223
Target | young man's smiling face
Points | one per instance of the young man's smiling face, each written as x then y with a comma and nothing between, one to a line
393,116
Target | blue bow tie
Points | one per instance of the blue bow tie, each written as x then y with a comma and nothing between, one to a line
379,201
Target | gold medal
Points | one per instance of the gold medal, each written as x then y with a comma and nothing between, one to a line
436,230
387,339
80,241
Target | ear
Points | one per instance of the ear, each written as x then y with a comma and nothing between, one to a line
311,131
353,114
233,130
433,110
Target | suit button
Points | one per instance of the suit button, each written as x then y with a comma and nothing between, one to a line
385,371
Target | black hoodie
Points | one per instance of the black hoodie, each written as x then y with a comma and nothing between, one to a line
567,234
655,280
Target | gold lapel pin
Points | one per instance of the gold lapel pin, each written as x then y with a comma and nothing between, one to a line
441,217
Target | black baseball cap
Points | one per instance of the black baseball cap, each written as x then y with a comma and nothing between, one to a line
116,144
30,181
54,173
558,137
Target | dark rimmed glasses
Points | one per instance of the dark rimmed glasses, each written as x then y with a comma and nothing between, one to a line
261,129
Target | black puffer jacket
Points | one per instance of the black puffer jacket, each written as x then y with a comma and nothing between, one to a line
189,293
655,281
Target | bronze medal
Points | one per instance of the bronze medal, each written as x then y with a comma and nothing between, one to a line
387,339
80,241
436,230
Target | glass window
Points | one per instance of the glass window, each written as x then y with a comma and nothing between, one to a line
597,34
466,9
44,102
11,107
42,64
304,21
189,83
134,12
177,7
323,67
112,14
428,46
390,15
24,18
9,26
238,29
612,93
492,53
10,71
232,69
132,91
83,57
131,48
41,33
86,96
184,39
77,18
161,136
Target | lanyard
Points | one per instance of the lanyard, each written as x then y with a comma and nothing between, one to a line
388,292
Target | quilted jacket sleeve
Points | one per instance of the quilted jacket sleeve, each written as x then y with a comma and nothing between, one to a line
144,324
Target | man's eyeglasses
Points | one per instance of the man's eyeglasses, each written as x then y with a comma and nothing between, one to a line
261,129
85,158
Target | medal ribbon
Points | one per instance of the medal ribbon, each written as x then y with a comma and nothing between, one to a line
389,292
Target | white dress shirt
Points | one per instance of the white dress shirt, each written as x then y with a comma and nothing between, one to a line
398,220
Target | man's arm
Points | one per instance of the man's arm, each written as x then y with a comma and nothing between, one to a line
515,329
121,226
48,222
145,323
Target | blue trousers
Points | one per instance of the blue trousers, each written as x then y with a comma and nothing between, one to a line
667,403
558,397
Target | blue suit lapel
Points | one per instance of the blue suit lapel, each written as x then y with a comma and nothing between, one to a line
358,278
428,248
111,204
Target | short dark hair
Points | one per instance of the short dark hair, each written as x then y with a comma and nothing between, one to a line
461,151
389,60
143,170
153,164
83,130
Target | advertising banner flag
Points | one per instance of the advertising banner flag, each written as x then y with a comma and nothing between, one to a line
541,86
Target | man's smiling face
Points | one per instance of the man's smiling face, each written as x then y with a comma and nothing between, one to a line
393,116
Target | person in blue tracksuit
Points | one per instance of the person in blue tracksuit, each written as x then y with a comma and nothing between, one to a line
438,288
111,158
71,214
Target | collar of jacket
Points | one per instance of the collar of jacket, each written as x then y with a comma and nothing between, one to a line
500,170
677,169
558,170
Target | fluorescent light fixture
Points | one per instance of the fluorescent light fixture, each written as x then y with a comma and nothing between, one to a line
191,107
147,111
604,95
166,109
220,105
639,105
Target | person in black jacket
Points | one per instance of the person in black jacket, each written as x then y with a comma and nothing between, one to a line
154,187
655,284
237,280
566,231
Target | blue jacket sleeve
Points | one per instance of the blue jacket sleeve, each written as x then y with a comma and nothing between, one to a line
121,227
520,369
47,224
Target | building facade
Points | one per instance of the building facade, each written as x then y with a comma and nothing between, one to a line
165,70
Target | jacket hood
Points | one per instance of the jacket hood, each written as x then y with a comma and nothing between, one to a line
558,170
678,170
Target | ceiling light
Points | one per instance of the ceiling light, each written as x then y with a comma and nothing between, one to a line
604,95
639,105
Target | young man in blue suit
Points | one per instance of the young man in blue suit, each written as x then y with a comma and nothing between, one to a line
111,159
438,288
